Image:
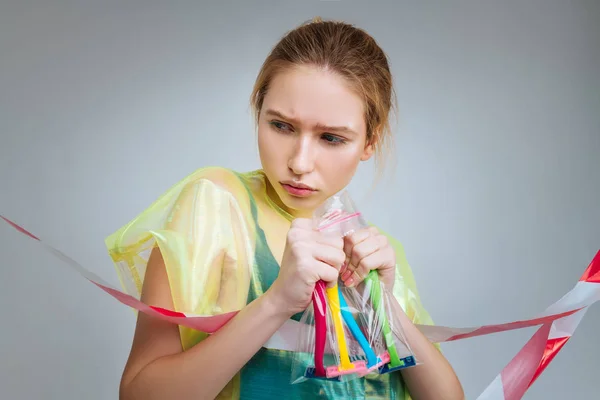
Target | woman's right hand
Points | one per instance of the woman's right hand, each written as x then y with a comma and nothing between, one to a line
309,256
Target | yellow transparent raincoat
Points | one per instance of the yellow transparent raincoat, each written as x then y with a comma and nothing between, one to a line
221,237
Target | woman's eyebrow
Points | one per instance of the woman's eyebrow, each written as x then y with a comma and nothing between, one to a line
278,114
319,126
335,129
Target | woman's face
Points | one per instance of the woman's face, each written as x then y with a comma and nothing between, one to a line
311,137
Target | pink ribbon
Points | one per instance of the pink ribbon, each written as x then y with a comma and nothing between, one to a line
558,323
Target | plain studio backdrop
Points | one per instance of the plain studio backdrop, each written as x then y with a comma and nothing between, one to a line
495,191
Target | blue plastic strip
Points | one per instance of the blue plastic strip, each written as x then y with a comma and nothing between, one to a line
372,359
404,363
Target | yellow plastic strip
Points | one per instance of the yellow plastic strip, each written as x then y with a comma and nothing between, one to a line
334,304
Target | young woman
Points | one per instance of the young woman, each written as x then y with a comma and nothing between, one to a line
221,241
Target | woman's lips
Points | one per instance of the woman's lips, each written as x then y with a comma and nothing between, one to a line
298,190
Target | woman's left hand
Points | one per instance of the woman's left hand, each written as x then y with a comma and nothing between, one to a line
368,250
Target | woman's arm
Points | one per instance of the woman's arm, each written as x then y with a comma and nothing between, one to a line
157,367
434,378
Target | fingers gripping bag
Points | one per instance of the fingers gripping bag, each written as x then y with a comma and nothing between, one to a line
376,311
327,349
349,332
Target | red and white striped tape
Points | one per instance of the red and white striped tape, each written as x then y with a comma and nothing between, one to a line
557,324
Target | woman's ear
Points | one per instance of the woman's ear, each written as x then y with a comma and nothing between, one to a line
369,146
368,152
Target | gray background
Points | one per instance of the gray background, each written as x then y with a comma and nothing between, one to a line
104,105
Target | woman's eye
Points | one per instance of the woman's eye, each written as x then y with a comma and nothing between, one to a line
333,140
280,126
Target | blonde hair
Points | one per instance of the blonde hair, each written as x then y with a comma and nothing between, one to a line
348,51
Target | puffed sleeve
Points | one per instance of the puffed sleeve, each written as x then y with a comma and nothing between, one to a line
202,228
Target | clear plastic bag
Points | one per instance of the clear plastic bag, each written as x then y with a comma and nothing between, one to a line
395,351
326,348
347,333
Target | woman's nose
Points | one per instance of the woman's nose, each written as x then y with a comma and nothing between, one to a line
302,159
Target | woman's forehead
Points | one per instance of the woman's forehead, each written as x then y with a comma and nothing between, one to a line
313,96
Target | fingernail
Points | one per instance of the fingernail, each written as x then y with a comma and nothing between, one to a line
349,282
346,274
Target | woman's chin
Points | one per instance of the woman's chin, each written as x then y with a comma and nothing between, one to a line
301,207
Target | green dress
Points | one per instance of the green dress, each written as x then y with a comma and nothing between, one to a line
212,229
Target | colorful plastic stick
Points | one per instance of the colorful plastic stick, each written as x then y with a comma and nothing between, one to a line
372,359
346,366
334,305
373,279
318,371
320,311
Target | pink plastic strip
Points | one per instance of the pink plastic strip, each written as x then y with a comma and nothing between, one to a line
558,324
320,313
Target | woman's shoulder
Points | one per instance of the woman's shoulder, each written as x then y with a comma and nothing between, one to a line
210,190
225,179
212,182
220,178
242,188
